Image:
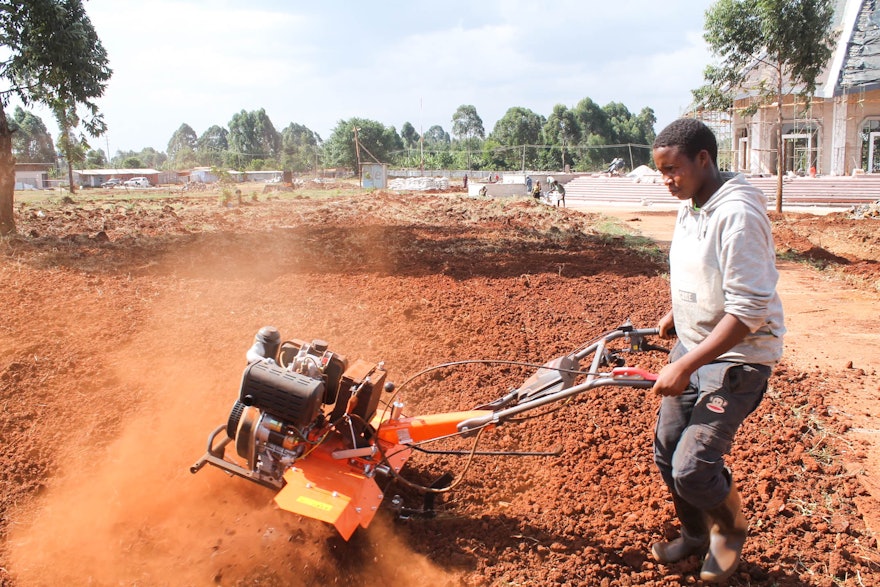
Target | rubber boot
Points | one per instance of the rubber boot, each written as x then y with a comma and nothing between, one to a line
726,538
694,537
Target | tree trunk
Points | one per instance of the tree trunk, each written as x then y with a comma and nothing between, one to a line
67,148
7,177
70,186
780,147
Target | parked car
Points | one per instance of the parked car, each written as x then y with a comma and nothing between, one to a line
137,182
112,183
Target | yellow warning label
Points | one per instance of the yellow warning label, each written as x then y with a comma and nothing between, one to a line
318,505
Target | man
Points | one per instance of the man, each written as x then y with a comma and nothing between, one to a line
555,191
729,322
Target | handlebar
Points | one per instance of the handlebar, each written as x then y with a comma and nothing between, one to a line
555,380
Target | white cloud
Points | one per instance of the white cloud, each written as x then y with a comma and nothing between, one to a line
201,61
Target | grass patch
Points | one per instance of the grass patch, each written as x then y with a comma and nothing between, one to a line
614,231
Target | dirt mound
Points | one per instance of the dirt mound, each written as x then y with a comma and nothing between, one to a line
124,333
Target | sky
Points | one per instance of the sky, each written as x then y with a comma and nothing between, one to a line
317,63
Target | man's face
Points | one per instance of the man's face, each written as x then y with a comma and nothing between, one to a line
685,178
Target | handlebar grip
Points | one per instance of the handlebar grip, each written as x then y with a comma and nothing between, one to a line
633,374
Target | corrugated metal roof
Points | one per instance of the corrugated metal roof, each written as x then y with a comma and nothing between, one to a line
115,171
861,66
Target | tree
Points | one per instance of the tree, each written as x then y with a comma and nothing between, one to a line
211,146
409,135
467,126
95,159
519,130
31,141
770,49
624,129
53,56
562,129
132,163
300,148
437,138
592,119
147,157
253,136
181,145
375,142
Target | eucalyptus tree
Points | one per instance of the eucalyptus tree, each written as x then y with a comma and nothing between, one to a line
626,130
409,135
769,49
182,145
592,119
437,138
148,157
300,148
518,132
52,56
211,146
467,127
31,141
437,143
563,131
252,136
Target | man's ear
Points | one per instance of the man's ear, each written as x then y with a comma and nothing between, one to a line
704,159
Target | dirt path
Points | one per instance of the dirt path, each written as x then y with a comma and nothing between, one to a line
818,309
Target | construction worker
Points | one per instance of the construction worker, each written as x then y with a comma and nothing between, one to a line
556,191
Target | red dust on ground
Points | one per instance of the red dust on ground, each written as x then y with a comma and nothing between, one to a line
123,340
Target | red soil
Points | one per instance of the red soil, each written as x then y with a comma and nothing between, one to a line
123,339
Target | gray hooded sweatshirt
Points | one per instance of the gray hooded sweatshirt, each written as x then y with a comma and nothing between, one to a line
722,261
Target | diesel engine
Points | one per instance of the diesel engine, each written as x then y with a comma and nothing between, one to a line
293,395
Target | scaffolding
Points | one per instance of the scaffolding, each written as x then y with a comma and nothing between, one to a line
721,124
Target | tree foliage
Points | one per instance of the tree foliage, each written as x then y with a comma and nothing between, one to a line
467,127
375,142
211,146
300,148
96,159
467,124
182,146
53,57
586,137
562,131
252,136
31,141
437,138
409,135
146,158
521,130
769,49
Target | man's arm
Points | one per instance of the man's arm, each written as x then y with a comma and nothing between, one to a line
673,379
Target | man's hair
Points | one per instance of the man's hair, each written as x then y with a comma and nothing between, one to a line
691,136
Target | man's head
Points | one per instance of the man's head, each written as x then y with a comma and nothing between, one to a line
691,136
686,153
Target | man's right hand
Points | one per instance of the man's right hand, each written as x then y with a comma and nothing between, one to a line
666,326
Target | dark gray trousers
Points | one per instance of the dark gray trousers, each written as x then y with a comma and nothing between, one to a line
695,430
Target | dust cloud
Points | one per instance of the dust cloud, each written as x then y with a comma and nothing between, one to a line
130,512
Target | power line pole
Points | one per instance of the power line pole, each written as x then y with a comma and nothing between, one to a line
357,152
